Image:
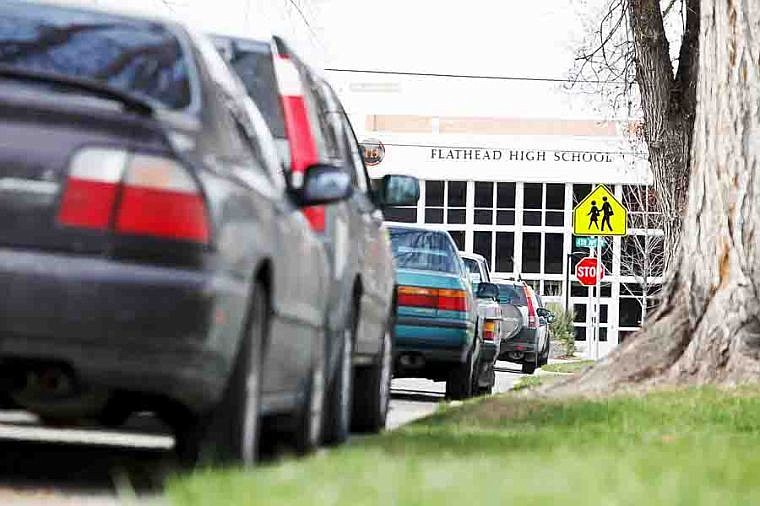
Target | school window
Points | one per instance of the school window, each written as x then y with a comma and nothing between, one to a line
641,203
434,201
484,214
505,250
531,250
445,202
505,203
544,204
553,253
498,248
458,236
481,244
533,200
580,192
555,205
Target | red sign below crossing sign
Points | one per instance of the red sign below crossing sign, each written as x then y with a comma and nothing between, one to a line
587,270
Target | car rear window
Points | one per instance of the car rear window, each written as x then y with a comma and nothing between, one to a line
512,294
134,56
253,63
472,266
424,250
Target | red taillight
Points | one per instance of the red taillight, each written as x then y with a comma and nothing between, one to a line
415,296
92,187
452,300
433,298
159,198
489,330
134,195
532,317
303,147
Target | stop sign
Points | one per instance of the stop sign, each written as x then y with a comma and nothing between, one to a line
587,270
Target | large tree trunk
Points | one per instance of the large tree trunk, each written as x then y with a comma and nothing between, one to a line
669,104
708,328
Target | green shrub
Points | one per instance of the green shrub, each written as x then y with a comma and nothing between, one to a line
562,328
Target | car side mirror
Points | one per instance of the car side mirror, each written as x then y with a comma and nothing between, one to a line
325,184
487,291
398,191
542,312
551,317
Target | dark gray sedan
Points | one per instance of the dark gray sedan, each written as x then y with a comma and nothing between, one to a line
152,255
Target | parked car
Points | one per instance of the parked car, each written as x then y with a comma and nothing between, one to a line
152,256
531,345
490,321
436,333
311,127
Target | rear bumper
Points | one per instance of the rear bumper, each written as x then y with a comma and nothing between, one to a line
525,340
120,326
433,336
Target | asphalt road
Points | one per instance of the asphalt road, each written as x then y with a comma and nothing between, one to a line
93,467
415,398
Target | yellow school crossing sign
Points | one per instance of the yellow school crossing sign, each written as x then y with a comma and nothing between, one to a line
600,214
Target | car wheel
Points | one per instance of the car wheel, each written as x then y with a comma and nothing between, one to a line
487,390
528,367
307,432
460,381
230,432
372,390
545,355
340,391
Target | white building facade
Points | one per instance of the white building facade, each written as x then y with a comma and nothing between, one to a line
505,188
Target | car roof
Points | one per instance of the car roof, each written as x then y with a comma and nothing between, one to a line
127,14
472,256
407,226
244,44
511,282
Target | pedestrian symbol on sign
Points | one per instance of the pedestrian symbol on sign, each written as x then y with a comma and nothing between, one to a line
591,218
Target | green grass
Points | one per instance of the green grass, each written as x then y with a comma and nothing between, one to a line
687,447
568,367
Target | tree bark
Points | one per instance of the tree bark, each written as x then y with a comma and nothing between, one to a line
708,327
668,103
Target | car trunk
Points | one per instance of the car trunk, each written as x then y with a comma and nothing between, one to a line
422,279
38,137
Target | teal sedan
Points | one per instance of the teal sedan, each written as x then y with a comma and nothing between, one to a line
436,334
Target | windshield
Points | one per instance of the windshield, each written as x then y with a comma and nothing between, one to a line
424,250
138,57
512,294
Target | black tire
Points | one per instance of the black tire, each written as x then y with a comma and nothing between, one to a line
340,389
485,390
372,390
459,384
230,432
528,367
545,354
307,422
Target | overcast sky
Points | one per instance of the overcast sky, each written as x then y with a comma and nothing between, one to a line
480,37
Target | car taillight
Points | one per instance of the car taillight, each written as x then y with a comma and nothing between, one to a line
415,296
532,317
133,194
433,298
303,147
92,187
452,300
489,330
